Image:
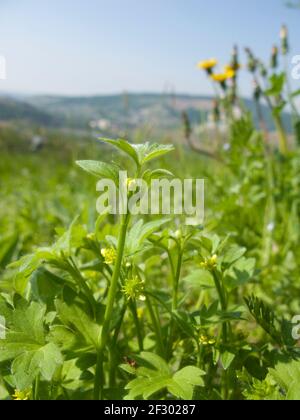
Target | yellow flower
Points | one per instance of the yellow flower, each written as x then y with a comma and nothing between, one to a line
206,341
131,184
223,77
21,395
230,69
133,289
209,263
207,64
109,255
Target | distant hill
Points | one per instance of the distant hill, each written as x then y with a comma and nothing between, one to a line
159,112
15,110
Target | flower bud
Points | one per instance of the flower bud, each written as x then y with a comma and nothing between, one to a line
284,36
274,57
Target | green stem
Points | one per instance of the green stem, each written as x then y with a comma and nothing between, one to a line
81,281
113,363
156,327
99,375
36,388
223,301
137,325
176,281
283,143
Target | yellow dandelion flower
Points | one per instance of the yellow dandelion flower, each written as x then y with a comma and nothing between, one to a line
223,77
207,65
209,263
21,395
109,255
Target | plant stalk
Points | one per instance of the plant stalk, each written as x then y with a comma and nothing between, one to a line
99,375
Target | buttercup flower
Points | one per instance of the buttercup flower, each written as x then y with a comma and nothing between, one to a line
209,263
206,341
109,255
208,65
21,395
133,289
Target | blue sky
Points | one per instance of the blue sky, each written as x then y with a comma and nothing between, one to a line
106,46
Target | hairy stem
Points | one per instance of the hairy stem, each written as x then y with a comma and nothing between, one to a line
99,376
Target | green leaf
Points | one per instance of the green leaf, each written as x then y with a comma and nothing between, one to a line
226,359
148,152
71,239
287,376
75,318
140,232
233,253
156,361
240,272
101,170
28,365
156,174
277,82
185,381
124,146
200,279
140,153
26,343
159,377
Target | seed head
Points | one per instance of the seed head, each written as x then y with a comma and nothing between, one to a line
134,289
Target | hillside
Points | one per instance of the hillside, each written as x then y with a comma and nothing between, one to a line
12,109
114,113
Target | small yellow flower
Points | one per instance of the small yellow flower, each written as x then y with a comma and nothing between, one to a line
21,395
131,184
134,289
207,65
109,255
203,340
209,263
206,341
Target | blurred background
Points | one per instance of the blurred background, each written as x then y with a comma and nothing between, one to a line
115,67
